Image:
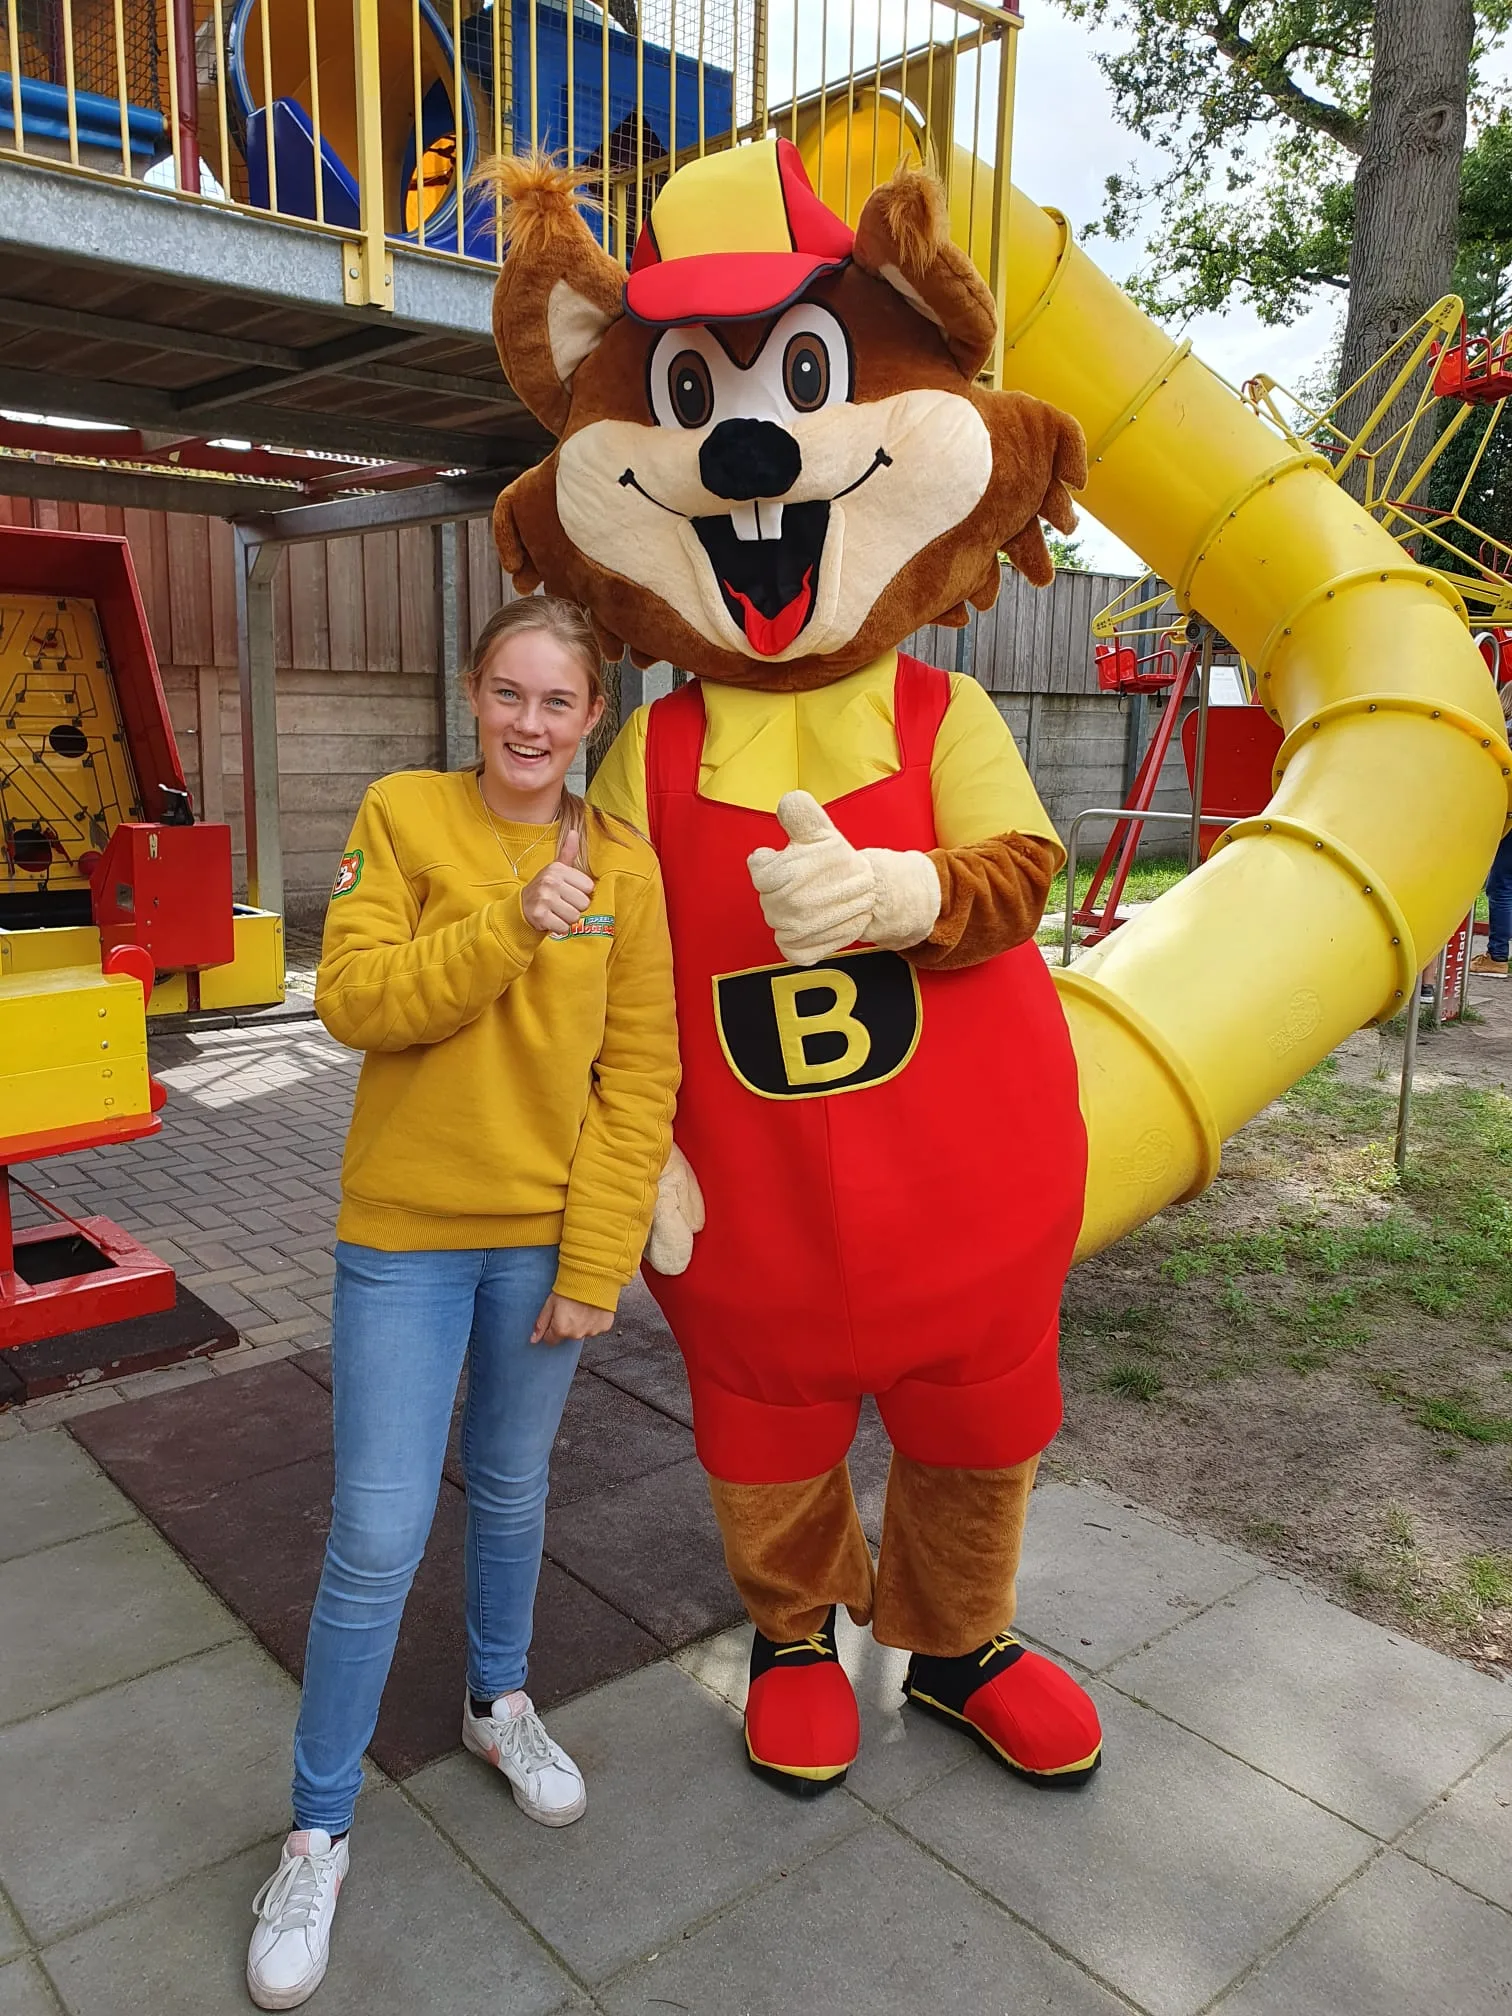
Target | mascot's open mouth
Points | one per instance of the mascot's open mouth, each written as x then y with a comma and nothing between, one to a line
768,583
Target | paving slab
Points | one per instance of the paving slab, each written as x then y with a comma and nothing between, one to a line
1469,1836
83,1615
416,1931
651,1548
24,1991
607,1437
1099,1578
50,1491
178,1448
114,1797
1172,1871
655,1376
872,1927
676,1825
1367,1723
12,1938
901,1751
1398,1941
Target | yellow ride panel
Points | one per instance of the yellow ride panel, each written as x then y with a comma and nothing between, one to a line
73,1051
65,777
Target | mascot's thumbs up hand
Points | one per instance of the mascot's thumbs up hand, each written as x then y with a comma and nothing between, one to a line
676,1216
820,893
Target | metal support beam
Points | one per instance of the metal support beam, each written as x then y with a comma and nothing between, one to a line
279,364
357,349
85,220
470,496
289,426
149,490
459,735
256,564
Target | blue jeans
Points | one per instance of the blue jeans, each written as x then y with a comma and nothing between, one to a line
1499,900
401,1326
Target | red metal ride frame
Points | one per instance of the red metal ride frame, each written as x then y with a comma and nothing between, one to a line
118,1277
1162,669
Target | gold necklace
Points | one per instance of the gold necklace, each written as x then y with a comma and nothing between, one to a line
493,827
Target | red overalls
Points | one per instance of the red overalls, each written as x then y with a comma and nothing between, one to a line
892,1161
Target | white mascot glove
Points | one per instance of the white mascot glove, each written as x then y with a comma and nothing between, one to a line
821,893
678,1214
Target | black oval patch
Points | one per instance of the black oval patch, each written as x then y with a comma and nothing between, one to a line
804,1032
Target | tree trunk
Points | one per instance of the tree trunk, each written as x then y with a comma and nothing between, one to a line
1407,185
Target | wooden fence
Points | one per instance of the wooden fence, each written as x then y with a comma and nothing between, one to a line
357,643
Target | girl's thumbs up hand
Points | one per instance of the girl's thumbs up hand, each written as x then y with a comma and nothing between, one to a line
558,896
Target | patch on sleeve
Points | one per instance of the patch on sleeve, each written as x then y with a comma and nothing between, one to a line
600,926
348,874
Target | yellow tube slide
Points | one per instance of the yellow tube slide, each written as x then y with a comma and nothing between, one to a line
1392,784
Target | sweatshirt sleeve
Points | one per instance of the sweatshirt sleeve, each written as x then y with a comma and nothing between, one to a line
379,986
628,1128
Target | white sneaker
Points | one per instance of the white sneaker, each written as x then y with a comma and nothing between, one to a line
546,1783
286,1961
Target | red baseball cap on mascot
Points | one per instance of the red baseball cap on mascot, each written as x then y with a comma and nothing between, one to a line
735,235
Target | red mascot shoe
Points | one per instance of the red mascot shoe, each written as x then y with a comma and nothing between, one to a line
1022,1709
802,1730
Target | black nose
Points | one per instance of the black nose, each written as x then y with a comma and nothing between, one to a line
749,458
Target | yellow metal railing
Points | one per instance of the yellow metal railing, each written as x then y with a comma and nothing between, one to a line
367,118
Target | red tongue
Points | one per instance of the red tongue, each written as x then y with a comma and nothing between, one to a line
771,634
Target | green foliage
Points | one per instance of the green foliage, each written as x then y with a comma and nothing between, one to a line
1134,1382
1068,554
1258,107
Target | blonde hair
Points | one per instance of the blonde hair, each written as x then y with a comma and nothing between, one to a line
570,626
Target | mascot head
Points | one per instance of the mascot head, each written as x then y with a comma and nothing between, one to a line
774,461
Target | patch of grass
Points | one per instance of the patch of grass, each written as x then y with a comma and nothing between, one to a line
1236,1302
1447,1413
1324,1094
1267,1532
1134,1382
1488,1577
1454,1417
1367,1248
1137,1319
1325,1327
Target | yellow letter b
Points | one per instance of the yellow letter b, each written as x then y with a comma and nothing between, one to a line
795,1030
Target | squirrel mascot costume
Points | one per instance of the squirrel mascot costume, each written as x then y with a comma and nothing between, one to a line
774,463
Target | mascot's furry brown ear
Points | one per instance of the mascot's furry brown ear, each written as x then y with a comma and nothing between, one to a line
770,498
904,238
557,294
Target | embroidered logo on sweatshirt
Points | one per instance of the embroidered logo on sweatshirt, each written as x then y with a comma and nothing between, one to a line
587,927
348,874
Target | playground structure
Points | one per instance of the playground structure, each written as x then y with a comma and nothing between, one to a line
111,897
1308,919
372,122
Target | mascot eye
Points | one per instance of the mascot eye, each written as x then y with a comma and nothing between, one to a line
806,373
692,389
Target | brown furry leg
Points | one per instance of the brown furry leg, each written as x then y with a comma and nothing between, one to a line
950,1552
793,1550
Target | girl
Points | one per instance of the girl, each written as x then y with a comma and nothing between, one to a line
501,957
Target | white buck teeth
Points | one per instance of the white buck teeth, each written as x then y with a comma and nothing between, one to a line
758,519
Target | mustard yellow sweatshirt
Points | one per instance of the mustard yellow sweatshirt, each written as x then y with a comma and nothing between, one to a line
516,1090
